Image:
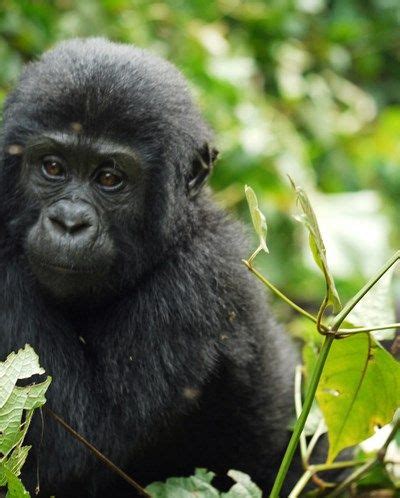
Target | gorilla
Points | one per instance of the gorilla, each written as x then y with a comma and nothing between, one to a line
126,278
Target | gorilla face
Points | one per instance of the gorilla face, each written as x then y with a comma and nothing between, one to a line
102,168
78,186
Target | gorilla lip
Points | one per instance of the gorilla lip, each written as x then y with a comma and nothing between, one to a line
64,269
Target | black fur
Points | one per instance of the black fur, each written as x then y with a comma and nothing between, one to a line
183,365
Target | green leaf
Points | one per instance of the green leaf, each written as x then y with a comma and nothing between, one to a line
244,487
257,217
17,405
317,246
198,485
14,463
15,487
359,390
21,398
20,365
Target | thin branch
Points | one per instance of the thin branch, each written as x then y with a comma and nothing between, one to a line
282,296
298,407
345,464
98,454
357,330
354,476
300,485
317,434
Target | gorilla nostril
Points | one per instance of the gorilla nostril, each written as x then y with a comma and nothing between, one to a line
78,227
68,226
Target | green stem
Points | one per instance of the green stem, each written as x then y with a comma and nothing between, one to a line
276,291
357,330
317,434
313,469
353,477
301,483
299,426
316,375
345,464
298,404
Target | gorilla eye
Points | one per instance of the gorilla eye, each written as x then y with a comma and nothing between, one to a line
52,168
109,180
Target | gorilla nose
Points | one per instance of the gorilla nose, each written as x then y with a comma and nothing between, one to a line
71,218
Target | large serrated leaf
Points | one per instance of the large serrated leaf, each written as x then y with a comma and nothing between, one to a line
317,246
17,405
20,399
20,365
358,391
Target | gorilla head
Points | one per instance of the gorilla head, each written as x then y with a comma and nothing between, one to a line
109,154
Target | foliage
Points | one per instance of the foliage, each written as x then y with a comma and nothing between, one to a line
17,405
200,485
354,380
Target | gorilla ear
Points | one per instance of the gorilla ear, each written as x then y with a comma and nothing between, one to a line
201,168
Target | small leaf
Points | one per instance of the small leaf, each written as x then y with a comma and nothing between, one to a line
257,217
317,246
359,391
244,487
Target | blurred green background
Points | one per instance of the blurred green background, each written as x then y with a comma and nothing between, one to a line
308,88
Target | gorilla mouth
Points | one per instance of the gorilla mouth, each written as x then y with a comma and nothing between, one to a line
69,270
59,267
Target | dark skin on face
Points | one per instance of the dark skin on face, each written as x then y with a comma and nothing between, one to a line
77,183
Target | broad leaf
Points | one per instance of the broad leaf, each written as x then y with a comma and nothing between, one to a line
257,217
317,246
359,390
21,365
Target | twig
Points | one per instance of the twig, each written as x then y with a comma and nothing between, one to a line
298,407
98,454
317,434
282,296
369,329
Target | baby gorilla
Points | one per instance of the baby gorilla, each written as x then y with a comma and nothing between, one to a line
118,268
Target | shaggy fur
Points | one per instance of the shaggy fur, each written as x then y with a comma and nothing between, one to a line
183,367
